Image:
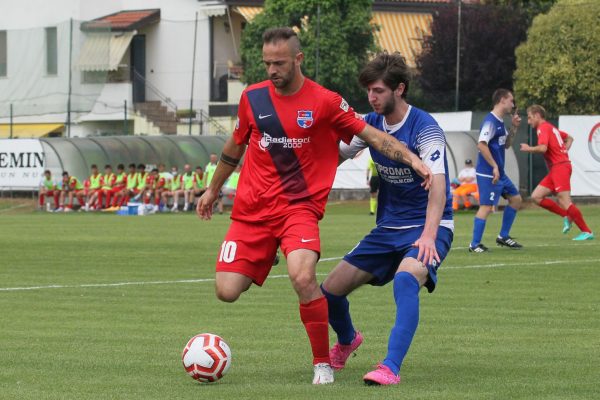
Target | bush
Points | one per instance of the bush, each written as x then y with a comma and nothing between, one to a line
558,64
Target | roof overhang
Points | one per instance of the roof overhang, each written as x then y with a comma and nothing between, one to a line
30,130
126,20
214,10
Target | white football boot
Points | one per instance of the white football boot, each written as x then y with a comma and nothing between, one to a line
323,374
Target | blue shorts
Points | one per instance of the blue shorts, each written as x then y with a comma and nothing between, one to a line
489,194
382,250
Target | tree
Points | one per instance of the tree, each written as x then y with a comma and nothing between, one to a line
558,65
339,30
489,36
530,7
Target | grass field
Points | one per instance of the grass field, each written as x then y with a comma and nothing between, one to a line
110,302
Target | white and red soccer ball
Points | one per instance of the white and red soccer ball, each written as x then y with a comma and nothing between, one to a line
206,357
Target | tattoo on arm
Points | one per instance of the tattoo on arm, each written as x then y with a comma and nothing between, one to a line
387,149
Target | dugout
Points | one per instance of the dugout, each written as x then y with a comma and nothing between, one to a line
75,155
463,144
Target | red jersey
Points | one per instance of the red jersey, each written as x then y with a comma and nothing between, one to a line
554,140
292,153
150,180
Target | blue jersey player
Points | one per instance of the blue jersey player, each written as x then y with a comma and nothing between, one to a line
414,227
491,178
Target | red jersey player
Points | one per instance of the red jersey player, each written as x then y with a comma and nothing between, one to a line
554,145
150,186
290,127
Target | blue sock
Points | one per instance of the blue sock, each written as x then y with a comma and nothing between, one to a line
406,295
478,228
508,217
339,317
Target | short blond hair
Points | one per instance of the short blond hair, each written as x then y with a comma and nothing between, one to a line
537,109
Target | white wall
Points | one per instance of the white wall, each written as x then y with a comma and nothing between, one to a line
110,105
25,14
169,50
454,121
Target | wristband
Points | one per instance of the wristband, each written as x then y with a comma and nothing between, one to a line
230,160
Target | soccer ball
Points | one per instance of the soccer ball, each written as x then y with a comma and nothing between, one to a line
206,357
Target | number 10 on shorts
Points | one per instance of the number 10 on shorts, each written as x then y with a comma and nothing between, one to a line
228,250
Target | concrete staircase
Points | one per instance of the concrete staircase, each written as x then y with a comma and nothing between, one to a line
159,115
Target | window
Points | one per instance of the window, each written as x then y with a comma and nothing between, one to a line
3,53
51,51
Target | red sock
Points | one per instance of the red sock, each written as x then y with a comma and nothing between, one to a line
553,207
56,200
80,200
314,316
157,201
42,198
574,213
108,198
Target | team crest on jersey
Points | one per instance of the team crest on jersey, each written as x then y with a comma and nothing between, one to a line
305,119
344,105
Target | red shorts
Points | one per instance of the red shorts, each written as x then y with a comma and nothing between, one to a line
249,248
559,178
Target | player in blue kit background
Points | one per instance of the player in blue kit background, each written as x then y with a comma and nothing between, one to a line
492,181
414,227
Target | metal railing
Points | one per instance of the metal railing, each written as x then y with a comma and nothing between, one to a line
161,96
198,116
205,118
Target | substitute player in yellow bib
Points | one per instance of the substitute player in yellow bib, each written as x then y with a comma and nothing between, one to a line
48,188
373,182
96,181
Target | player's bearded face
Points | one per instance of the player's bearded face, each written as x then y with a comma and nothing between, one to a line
388,106
381,98
283,75
280,64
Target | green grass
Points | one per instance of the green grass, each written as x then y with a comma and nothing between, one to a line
504,325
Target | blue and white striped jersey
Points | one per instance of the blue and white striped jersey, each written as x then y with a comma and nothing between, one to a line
494,134
402,201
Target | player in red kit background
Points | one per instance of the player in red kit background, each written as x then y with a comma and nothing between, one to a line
554,145
290,127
